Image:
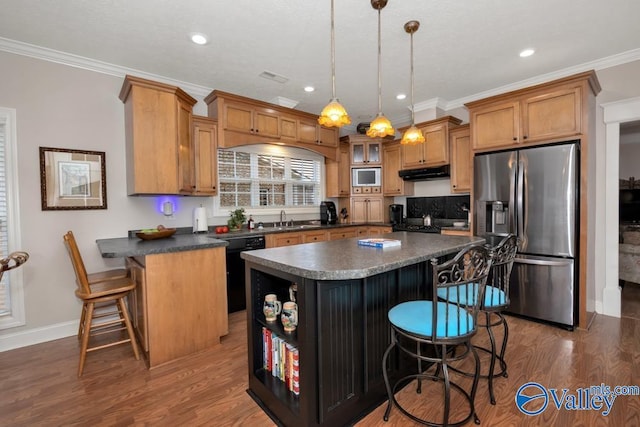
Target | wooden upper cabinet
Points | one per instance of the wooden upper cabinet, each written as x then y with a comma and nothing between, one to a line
461,167
541,114
157,128
245,121
310,132
435,149
552,115
337,174
392,184
496,125
243,117
205,157
288,128
365,151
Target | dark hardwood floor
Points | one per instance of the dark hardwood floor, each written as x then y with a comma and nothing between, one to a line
39,387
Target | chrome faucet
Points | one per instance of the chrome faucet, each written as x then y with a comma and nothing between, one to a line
283,218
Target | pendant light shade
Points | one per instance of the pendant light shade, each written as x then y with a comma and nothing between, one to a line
380,126
413,135
334,114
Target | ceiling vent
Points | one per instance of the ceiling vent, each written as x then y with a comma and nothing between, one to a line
284,102
273,76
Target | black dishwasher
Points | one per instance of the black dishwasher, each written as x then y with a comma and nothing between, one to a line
236,293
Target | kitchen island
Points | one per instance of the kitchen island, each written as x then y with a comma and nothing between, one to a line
343,292
179,305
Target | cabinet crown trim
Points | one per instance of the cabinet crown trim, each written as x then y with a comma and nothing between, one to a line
130,81
589,76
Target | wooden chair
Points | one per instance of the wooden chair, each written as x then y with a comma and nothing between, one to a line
93,278
106,289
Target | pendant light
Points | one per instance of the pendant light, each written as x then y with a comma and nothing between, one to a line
334,113
413,135
380,126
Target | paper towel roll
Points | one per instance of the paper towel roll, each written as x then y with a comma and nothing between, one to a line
200,220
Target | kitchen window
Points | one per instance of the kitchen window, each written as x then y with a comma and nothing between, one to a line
268,177
11,293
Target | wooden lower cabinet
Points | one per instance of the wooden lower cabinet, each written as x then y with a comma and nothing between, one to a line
343,233
315,236
342,333
283,239
180,304
138,302
456,232
377,230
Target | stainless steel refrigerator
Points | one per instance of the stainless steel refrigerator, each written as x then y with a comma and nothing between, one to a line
533,193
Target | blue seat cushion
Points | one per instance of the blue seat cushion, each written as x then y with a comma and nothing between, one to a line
416,317
493,297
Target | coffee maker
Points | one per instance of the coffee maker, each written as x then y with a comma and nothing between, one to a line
396,213
328,213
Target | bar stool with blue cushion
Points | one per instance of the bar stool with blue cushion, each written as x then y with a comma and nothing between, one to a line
495,301
435,328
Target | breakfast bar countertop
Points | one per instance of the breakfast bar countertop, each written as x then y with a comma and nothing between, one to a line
344,259
123,247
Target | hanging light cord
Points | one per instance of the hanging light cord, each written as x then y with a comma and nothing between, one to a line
333,56
412,104
379,66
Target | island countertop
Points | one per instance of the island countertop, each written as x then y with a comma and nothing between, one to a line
129,247
345,259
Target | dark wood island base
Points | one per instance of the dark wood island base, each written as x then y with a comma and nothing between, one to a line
344,292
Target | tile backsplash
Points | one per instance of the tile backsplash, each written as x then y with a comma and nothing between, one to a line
449,207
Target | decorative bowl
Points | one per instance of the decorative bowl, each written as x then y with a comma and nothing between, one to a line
160,234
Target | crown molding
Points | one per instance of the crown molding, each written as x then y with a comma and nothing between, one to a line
38,52
46,54
599,64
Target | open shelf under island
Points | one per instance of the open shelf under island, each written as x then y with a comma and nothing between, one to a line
344,292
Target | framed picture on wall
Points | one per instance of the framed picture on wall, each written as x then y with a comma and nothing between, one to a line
72,179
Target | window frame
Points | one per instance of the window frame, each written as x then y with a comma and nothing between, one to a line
277,150
17,313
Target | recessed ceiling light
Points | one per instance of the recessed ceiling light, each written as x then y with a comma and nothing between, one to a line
309,88
401,96
527,52
199,38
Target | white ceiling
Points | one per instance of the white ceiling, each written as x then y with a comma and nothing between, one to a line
463,50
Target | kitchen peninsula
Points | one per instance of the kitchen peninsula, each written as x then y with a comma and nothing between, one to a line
343,292
179,306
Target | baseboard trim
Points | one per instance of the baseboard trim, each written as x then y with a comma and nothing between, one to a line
38,335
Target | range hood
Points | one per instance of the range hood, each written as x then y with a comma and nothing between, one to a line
424,174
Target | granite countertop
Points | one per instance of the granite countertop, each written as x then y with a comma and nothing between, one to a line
126,247
345,259
185,240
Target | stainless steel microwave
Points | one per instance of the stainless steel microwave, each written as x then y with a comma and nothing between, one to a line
363,177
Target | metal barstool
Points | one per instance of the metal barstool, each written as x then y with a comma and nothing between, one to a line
436,327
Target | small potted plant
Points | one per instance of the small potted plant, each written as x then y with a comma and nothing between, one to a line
237,218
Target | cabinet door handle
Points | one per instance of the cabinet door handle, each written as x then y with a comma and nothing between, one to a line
524,137
515,139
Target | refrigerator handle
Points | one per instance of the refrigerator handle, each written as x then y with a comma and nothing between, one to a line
512,192
558,263
520,202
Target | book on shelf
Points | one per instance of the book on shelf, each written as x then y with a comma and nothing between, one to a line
379,242
281,359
